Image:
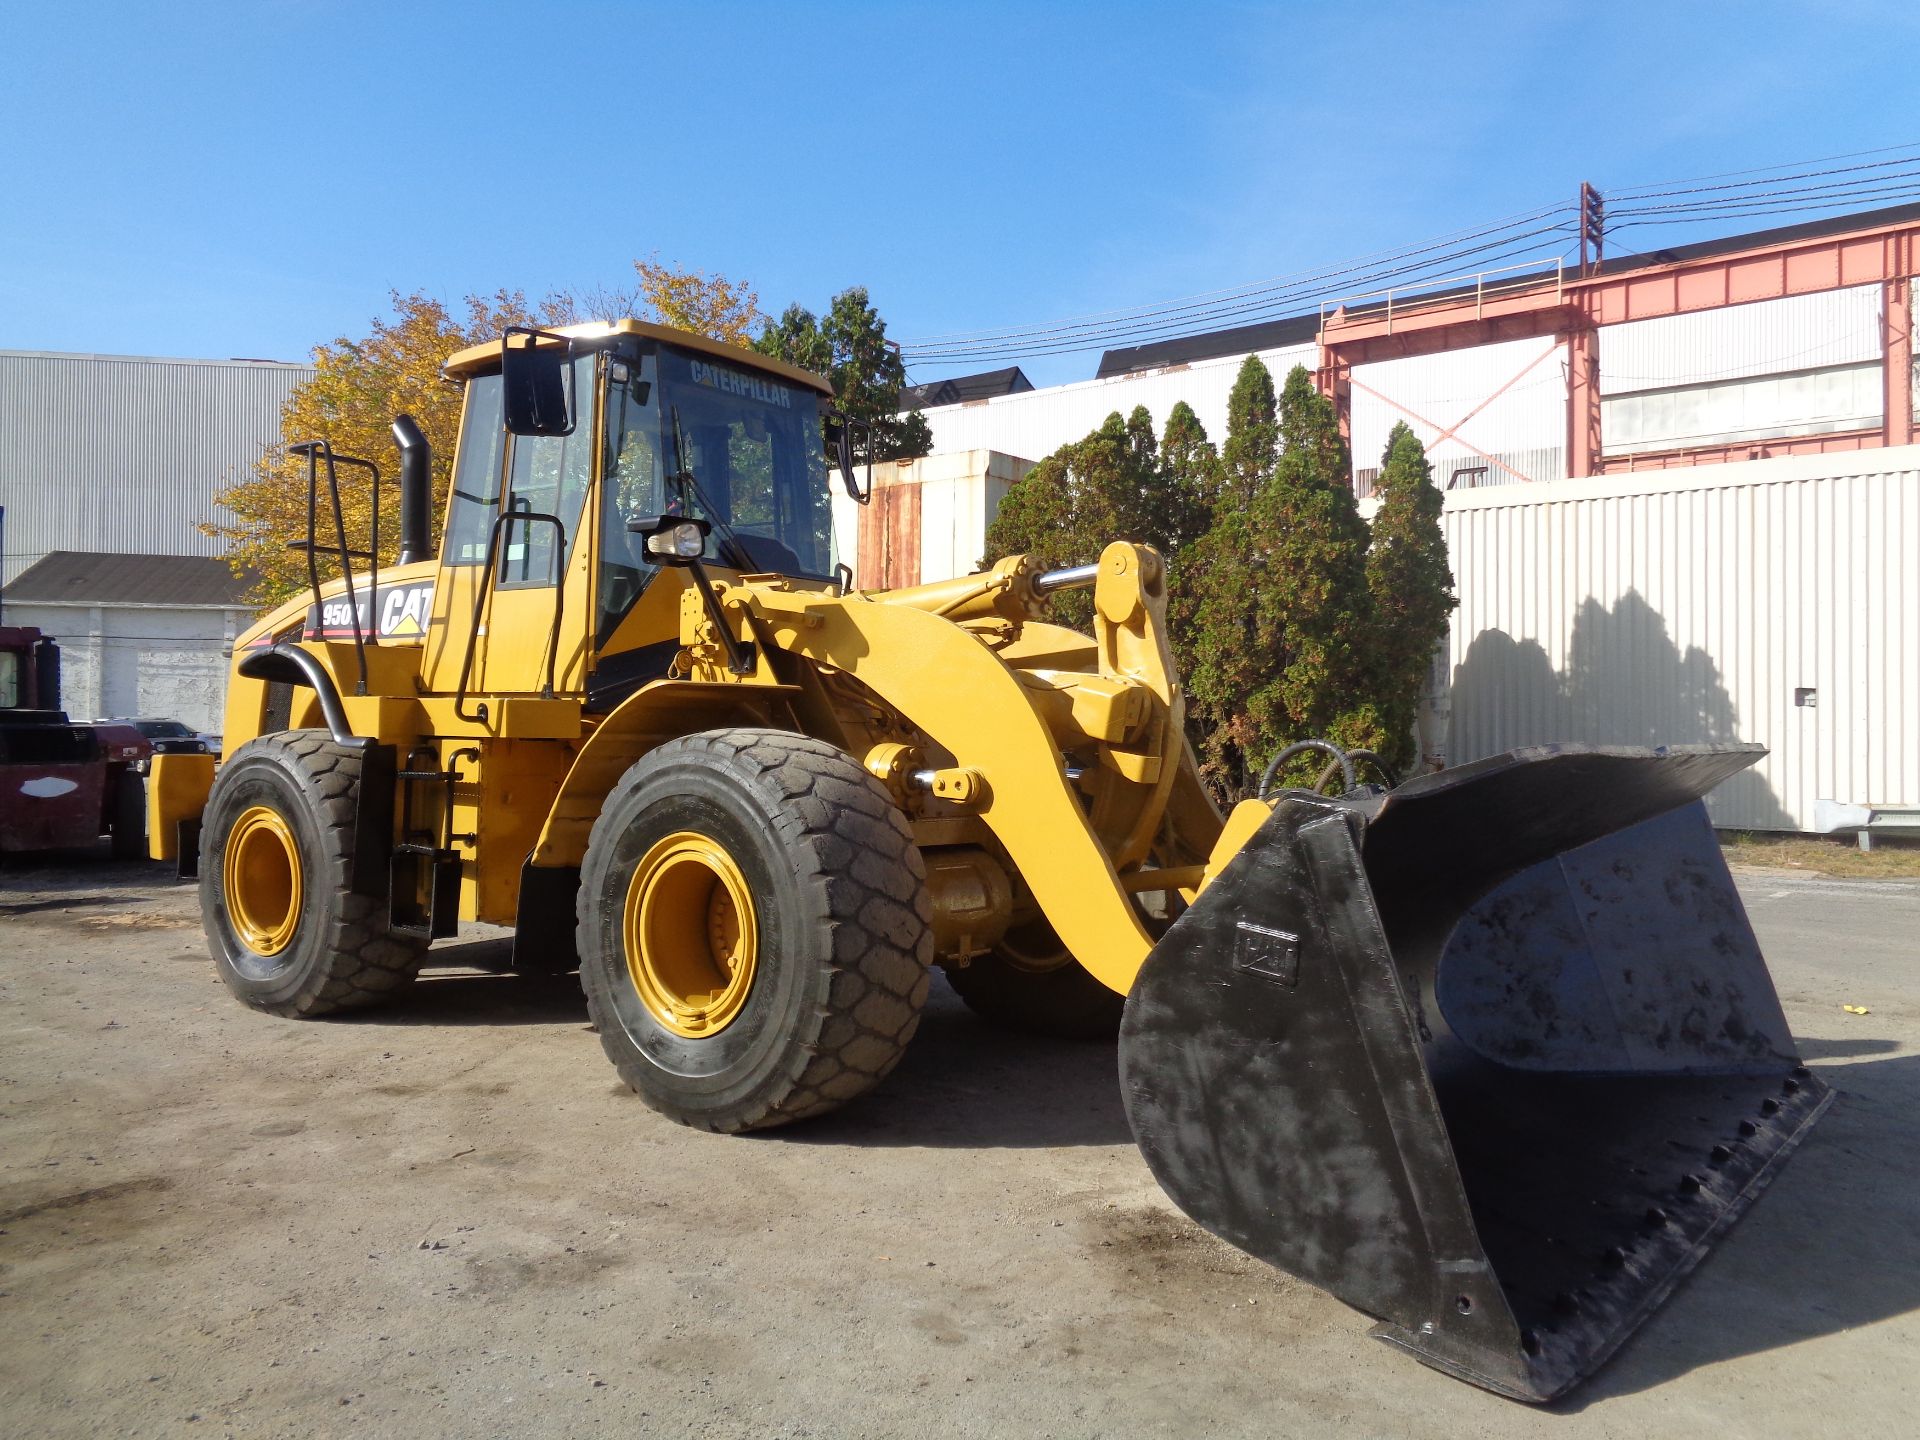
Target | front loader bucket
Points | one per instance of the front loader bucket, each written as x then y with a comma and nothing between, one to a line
1494,1058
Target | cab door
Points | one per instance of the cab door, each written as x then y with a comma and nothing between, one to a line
516,552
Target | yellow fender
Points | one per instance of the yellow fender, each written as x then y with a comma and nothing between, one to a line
651,716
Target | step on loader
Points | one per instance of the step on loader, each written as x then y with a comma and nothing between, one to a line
1491,1055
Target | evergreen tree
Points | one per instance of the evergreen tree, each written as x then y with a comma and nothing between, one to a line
1190,477
1253,434
1412,589
1232,644
1271,585
1284,616
1086,494
849,347
1316,596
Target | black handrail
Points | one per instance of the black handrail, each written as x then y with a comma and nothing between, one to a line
290,665
485,587
314,451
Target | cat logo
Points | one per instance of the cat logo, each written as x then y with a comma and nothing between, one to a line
404,610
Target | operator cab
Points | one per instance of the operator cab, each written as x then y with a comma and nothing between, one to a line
596,433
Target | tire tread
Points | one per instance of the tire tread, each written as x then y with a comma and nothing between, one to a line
366,964
873,930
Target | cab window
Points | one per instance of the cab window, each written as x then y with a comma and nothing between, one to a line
476,474
635,490
550,478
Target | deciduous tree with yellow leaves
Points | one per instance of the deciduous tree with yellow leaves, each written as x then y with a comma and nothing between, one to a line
710,305
359,385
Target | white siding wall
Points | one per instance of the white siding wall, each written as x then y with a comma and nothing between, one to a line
149,660
1691,606
1524,427
1803,365
123,454
1036,423
1768,337
1819,402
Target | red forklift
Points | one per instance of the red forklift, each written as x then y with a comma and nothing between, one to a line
62,785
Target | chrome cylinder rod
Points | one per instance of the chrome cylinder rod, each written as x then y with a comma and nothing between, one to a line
1074,577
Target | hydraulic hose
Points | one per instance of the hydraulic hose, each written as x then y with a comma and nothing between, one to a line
1300,747
1384,770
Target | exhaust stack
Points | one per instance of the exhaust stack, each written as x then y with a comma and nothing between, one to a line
416,482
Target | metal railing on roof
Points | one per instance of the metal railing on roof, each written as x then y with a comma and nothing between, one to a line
1433,292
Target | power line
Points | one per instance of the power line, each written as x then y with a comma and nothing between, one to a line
1698,182
1839,190
1279,303
1426,265
1353,281
1772,210
1210,299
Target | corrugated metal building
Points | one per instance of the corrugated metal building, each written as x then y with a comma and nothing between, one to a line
1769,601
123,454
109,465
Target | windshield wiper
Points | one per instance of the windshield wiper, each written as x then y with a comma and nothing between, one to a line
686,480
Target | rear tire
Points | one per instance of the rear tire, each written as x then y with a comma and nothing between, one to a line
754,929
286,932
1029,982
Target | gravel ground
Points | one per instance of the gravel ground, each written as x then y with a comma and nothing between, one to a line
448,1219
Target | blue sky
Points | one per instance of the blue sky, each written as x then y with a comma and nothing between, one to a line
249,180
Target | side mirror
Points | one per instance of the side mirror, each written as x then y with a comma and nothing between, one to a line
538,381
846,437
674,539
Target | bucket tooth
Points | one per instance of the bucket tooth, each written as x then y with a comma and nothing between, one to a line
1494,1058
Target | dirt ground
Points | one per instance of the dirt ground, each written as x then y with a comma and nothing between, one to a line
447,1219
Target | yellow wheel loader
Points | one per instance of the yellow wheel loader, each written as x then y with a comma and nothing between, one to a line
1492,1055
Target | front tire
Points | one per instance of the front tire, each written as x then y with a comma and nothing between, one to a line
754,929
286,931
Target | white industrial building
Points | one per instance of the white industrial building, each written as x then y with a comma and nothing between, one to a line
140,635
109,465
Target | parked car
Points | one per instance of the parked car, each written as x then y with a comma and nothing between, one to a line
171,737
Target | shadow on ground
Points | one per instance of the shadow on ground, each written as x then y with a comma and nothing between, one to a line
67,902
963,1083
449,992
969,1085
1831,1246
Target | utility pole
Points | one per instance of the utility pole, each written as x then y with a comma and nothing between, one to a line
1593,228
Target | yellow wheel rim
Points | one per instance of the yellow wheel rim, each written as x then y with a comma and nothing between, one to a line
691,938
262,874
